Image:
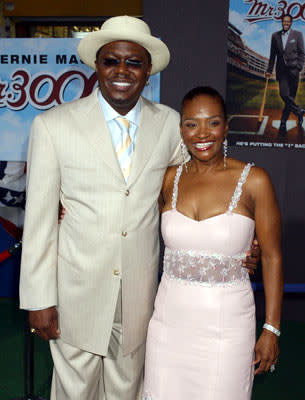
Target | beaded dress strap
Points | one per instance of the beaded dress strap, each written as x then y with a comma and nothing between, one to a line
238,190
175,188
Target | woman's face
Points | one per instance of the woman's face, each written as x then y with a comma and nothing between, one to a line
203,128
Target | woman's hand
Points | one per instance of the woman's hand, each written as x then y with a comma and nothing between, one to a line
61,212
266,351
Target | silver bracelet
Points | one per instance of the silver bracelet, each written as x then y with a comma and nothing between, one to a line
272,329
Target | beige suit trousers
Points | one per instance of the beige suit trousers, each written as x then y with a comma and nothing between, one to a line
80,375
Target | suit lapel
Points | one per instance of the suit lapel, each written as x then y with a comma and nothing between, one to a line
92,122
290,37
147,137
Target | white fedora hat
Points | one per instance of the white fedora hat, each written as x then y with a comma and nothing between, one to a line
124,28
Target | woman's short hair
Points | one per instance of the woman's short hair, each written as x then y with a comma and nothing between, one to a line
203,91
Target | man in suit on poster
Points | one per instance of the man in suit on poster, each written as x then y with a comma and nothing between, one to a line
90,282
287,47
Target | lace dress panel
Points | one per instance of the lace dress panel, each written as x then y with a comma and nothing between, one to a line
205,269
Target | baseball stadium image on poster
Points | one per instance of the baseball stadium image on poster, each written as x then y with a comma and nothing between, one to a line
266,73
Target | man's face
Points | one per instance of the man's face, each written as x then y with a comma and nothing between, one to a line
122,70
286,23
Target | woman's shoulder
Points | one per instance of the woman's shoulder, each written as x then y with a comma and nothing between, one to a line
239,166
259,179
170,173
257,176
235,166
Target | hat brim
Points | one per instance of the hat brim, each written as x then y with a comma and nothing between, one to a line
92,42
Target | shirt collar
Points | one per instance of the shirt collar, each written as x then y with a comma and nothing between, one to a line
286,33
110,114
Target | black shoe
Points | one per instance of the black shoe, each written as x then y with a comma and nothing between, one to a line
283,129
300,117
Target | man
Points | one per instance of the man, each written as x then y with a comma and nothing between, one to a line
287,47
106,249
96,274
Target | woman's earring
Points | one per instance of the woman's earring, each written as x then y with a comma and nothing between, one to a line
225,153
185,154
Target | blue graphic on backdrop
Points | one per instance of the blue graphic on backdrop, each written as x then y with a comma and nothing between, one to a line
12,203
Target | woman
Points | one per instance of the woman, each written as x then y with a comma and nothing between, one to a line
201,338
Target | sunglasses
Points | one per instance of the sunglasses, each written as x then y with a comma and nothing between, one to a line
114,62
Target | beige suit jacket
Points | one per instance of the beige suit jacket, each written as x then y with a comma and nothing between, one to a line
110,231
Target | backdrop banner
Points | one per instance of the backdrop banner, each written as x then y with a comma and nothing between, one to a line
255,107
35,75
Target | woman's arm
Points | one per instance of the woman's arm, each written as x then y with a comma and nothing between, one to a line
167,188
268,230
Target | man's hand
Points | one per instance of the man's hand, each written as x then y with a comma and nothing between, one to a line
45,323
252,258
267,74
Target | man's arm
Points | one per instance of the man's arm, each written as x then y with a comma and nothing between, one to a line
38,278
301,54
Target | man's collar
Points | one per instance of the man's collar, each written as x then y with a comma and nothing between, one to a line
109,113
286,32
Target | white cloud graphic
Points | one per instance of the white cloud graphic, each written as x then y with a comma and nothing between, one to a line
12,119
237,19
13,136
257,36
13,145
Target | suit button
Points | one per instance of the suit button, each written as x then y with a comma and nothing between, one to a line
127,192
116,272
124,234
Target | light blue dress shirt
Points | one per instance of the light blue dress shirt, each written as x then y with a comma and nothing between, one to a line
285,38
110,116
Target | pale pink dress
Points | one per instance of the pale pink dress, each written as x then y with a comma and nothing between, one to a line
201,337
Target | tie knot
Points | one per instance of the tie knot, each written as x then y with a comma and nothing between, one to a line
123,121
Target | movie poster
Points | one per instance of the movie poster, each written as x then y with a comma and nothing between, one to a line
266,110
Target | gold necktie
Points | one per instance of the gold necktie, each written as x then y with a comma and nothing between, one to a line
124,148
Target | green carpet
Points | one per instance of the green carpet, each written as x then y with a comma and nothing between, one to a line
12,355
286,383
